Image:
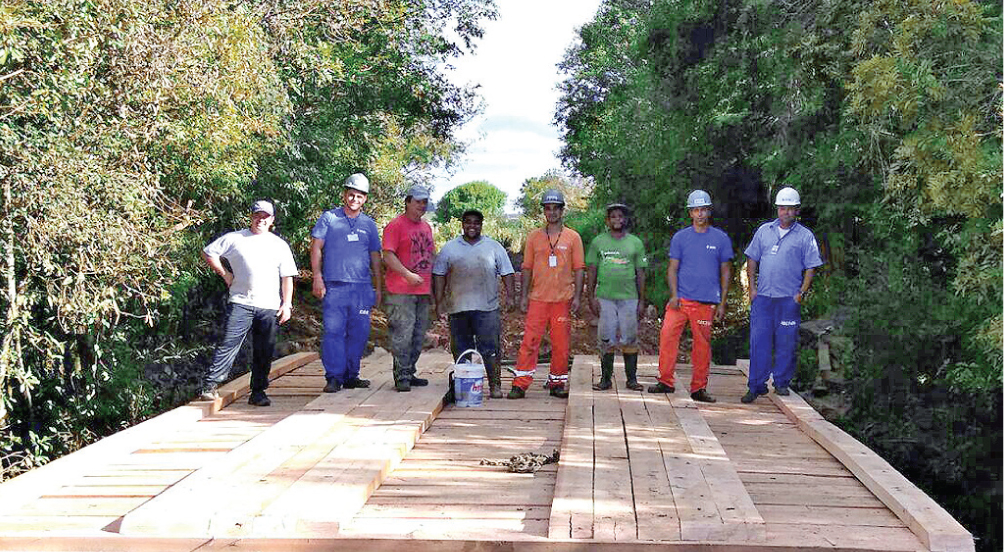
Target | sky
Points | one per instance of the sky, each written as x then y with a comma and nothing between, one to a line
516,65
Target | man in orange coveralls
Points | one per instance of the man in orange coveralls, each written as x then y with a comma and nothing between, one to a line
553,268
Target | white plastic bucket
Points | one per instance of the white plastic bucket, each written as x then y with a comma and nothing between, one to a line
468,380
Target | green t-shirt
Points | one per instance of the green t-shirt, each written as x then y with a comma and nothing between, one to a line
615,261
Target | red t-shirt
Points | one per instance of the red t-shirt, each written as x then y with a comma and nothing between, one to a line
413,244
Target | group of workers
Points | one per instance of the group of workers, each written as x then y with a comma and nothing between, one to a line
463,281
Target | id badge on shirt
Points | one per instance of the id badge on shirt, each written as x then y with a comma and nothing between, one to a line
352,237
552,261
773,250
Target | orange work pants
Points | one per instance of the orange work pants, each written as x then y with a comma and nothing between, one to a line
538,315
699,315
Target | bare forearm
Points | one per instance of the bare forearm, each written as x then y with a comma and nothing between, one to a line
525,287
215,265
726,279
287,290
639,282
509,283
393,263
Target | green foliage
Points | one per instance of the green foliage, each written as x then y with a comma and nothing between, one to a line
478,194
131,132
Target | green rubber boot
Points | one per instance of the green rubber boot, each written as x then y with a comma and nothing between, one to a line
631,371
607,368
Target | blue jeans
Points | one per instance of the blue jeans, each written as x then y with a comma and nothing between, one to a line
242,319
346,328
407,322
774,325
476,330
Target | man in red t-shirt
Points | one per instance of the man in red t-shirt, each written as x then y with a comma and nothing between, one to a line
553,267
408,252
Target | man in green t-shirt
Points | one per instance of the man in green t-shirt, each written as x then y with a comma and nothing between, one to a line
615,286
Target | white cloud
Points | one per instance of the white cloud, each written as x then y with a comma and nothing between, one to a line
516,66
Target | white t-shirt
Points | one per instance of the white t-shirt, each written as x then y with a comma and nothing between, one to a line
258,262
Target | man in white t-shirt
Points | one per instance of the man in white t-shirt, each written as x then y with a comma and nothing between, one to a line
263,267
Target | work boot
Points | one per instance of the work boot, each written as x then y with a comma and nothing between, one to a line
356,383
259,398
403,385
418,382
631,371
559,392
782,391
750,396
701,395
607,372
661,388
332,386
517,392
495,380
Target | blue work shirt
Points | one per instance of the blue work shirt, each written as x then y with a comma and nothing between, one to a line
782,260
472,272
701,255
348,243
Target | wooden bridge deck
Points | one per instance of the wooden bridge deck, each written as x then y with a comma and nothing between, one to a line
377,470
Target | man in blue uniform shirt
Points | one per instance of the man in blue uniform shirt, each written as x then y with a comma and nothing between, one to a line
345,258
781,260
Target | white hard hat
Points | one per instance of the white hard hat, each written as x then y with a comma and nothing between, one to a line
358,182
698,198
787,196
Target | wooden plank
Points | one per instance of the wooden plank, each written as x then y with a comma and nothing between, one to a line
613,513
572,504
453,511
654,505
822,515
698,515
355,468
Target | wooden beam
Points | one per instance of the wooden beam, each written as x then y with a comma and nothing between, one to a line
572,504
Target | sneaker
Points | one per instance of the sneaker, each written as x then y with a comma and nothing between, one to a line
402,386
419,382
783,391
701,395
209,394
332,386
259,398
356,383
602,385
559,392
661,388
496,394
750,396
516,392
634,385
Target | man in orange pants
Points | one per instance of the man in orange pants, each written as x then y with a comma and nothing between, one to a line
699,275
553,266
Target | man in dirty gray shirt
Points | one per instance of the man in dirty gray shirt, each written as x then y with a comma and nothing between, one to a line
465,280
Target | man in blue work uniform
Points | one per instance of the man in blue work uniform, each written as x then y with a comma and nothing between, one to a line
345,259
781,260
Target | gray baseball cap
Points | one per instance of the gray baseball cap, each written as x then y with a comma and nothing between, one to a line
419,193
